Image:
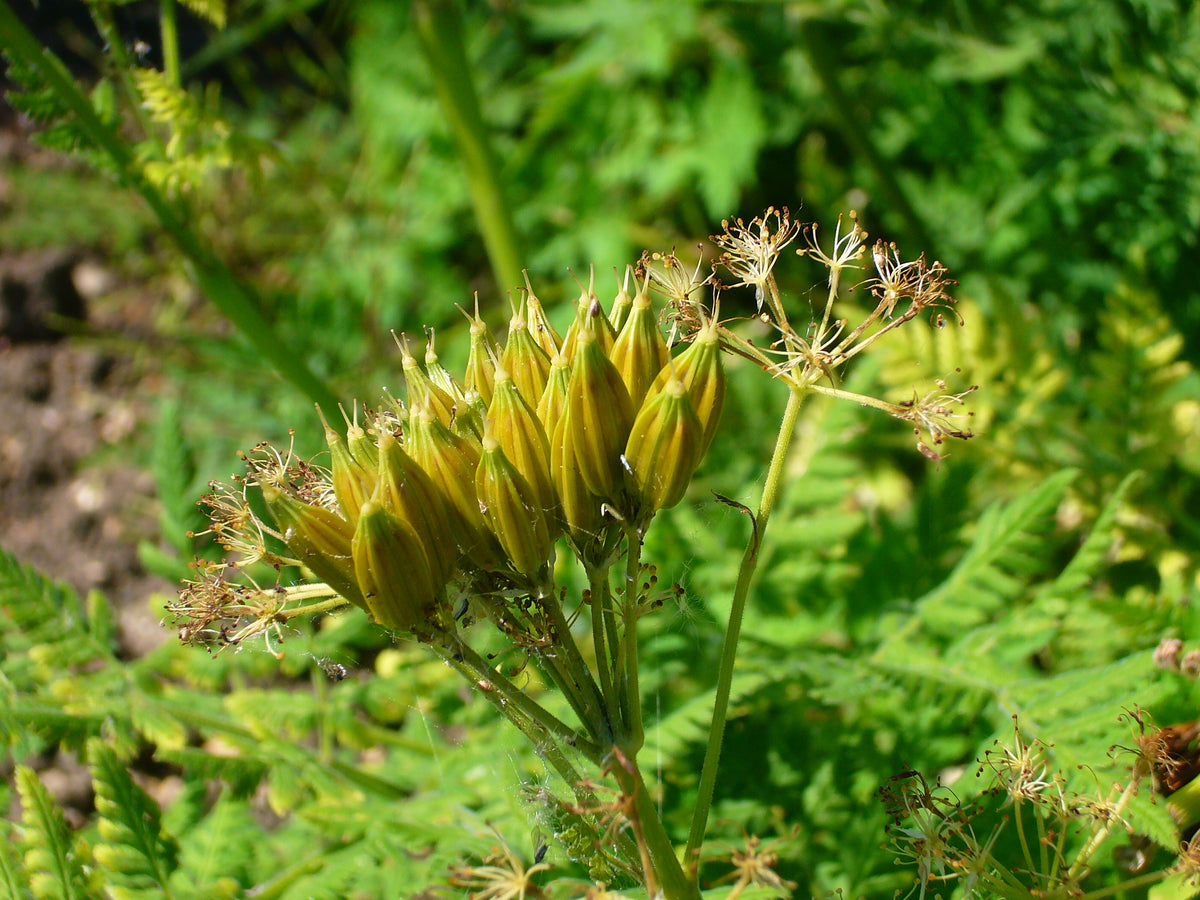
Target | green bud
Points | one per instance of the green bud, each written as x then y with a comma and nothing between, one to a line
392,569
480,358
519,432
421,389
580,508
599,416
352,483
554,399
451,461
525,360
589,314
702,370
663,449
640,351
539,326
439,374
512,510
320,540
362,448
620,304
408,493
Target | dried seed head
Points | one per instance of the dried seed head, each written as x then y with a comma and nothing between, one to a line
664,446
512,510
407,492
392,569
599,415
515,426
319,538
640,351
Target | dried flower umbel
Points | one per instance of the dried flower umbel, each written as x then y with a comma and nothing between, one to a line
450,506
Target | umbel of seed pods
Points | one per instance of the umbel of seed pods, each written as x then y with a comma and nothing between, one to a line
475,479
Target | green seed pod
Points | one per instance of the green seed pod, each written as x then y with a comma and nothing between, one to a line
525,360
319,538
408,493
620,304
589,313
516,427
439,374
469,415
362,447
599,416
352,483
702,370
392,569
663,449
511,508
580,508
539,326
554,399
421,389
640,351
451,461
480,358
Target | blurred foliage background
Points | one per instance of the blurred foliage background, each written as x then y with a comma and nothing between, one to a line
1048,152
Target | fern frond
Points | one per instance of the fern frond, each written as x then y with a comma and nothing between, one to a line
55,872
688,725
1088,560
214,10
137,856
14,882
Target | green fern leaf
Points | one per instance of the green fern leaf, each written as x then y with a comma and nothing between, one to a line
688,725
14,884
1091,556
137,856
55,872
213,10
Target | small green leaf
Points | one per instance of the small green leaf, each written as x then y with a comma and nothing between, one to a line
48,844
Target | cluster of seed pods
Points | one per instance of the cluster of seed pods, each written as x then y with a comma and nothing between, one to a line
478,477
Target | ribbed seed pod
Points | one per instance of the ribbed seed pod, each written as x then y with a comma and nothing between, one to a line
539,326
480,358
392,569
511,508
352,483
620,304
407,492
640,351
320,539
469,414
589,312
362,447
599,416
664,446
439,374
516,428
579,507
451,461
554,399
421,389
525,361
702,370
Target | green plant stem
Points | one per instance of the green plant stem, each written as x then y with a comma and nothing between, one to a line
238,302
716,734
170,41
630,694
597,715
603,661
439,31
672,880
476,669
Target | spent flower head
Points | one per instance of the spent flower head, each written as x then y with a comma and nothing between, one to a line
750,251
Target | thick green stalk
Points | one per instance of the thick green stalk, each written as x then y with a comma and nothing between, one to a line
630,693
598,714
716,734
672,880
439,30
236,301
170,41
